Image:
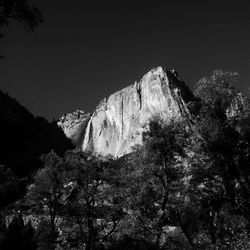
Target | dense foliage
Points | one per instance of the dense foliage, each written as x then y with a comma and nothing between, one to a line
21,11
186,187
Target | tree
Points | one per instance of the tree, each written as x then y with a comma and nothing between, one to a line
18,235
132,244
223,126
44,238
217,91
94,203
220,158
9,187
158,189
22,12
46,194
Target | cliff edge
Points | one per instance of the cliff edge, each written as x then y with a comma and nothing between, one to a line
118,121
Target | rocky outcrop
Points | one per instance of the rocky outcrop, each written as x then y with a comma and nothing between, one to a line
119,120
74,125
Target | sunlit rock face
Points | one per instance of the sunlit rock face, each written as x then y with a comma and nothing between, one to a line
119,120
74,125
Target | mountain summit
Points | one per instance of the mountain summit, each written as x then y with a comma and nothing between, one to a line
118,121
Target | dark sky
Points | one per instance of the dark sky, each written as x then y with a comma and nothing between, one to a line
86,51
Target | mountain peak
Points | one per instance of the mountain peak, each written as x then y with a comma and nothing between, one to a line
118,122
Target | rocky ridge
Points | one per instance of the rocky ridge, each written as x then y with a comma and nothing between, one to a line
74,124
118,121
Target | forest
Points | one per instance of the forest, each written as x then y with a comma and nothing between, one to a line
186,187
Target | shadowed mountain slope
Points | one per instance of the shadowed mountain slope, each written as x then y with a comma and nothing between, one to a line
24,138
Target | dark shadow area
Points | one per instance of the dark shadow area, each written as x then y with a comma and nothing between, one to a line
24,138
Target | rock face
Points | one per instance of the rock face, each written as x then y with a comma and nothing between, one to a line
74,125
119,120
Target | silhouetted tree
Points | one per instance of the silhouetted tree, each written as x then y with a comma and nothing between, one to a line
9,187
220,158
132,244
159,189
46,194
22,12
224,129
44,238
94,202
18,235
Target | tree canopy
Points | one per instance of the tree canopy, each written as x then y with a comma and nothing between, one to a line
20,11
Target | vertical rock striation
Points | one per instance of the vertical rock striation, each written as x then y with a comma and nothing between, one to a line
119,120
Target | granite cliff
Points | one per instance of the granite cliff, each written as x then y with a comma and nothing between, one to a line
118,121
74,125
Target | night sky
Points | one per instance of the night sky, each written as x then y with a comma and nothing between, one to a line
86,51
